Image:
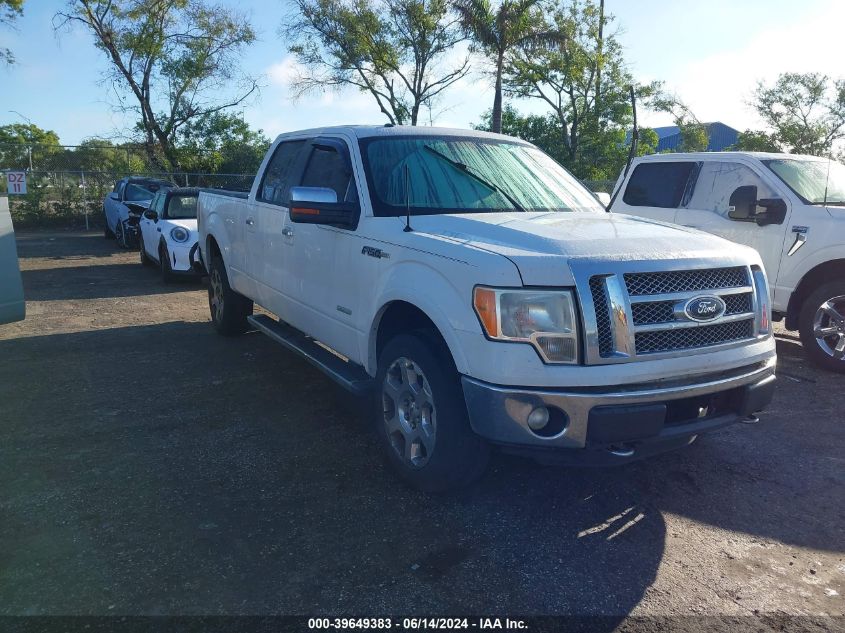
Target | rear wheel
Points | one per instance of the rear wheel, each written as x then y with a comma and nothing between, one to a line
421,416
822,326
229,309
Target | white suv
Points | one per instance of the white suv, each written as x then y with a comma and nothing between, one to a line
790,208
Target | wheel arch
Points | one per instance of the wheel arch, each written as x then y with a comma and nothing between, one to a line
815,277
400,315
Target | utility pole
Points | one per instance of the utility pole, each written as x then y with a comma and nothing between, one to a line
29,134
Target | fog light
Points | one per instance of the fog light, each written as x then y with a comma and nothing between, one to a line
538,418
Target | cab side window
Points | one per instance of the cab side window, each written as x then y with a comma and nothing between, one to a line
328,168
277,178
660,184
719,179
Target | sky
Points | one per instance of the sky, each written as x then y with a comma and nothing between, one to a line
710,53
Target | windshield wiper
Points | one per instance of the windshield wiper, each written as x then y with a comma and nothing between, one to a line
465,169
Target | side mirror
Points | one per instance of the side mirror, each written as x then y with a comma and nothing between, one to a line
151,215
743,202
603,197
775,212
319,205
113,196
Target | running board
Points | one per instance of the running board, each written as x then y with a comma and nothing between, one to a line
348,375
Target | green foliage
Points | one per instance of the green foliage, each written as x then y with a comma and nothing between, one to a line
756,141
806,112
603,159
394,50
18,139
171,60
221,143
498,31
10,10
694,136
586,86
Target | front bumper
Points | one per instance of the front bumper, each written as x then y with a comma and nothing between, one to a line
619,423
184,259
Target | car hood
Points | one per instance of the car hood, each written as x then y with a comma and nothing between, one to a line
188,224
536,242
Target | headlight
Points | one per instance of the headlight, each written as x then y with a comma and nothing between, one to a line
179,234
545,319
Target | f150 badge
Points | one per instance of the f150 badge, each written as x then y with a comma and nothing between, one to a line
375,252
705,308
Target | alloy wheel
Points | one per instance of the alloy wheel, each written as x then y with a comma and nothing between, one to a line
829,327
410,417
216,298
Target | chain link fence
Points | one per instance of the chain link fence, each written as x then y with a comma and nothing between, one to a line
66,185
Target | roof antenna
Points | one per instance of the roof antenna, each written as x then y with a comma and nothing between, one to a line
407,228
827,179
635,142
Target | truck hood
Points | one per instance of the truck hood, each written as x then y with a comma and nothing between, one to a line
536,242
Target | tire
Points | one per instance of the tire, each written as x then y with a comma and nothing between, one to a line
120,234
107,232
824,310
421,415
167,275
145,260
228,309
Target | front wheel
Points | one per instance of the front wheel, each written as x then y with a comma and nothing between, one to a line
167,275
229,309
421,416
120,234
822,326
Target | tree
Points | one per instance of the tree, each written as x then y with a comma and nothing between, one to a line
221,143
497,32
171,59
392,49
806,112
22,144
544,132
10,10
592,115
756,141
695,136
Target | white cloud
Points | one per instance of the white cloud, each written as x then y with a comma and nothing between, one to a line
718,87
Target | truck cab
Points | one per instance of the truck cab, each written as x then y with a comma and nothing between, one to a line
789,208
478,296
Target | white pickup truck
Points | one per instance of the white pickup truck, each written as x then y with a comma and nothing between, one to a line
790,208
482,296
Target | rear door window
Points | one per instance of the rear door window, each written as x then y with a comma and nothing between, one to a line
662,185
328,168
277,177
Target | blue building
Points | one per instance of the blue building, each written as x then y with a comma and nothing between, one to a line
720,136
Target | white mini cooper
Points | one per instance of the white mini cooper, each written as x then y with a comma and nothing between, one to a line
168,233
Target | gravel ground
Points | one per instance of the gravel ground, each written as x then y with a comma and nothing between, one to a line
149,466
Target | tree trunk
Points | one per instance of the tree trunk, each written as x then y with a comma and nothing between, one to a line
497,98
599,61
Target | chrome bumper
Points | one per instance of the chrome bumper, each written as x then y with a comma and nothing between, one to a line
634,414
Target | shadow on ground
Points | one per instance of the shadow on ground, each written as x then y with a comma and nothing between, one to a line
197,474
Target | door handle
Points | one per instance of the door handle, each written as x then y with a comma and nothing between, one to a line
287,231
250,222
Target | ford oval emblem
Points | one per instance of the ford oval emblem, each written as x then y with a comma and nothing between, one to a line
705,308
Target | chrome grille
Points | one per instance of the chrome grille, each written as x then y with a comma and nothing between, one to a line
597,289
739,304
650,313
640,284
693,337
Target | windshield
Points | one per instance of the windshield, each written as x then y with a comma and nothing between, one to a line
809,178
467,175
141,191
182,207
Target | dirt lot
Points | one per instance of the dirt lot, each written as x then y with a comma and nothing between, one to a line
149,466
